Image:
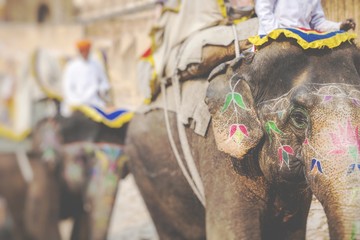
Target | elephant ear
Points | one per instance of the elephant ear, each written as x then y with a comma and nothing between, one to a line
235,123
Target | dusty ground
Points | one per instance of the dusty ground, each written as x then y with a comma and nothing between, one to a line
131,220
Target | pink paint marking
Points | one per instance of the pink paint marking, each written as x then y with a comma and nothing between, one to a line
233,129
344,137
327,98
243,129
238,127
288,149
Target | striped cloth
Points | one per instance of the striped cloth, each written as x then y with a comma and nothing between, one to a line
114,119
306,38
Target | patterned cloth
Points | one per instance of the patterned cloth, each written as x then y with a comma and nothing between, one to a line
306,38
114,119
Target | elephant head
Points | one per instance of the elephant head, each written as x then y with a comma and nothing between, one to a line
296,113
76,173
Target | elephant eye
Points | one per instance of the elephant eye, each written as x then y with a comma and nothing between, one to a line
299,118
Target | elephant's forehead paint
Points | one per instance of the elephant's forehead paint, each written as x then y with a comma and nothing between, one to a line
344,136
325,92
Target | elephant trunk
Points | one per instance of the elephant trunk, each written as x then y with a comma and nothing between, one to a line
333,171
343,214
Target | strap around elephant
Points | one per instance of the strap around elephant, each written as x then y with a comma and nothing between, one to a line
24,166
198,192
236,42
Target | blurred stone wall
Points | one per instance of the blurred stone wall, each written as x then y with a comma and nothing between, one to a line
53,11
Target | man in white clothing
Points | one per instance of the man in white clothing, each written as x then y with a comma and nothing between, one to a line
84,81
307,14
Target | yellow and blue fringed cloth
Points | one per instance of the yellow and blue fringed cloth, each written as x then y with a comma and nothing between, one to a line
10,134
306,38
114,119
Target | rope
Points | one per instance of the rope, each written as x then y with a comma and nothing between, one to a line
193,176
195,180
175,150
236,42
184,141
24,165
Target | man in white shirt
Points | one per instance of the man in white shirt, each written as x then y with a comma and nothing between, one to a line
307,14
84,81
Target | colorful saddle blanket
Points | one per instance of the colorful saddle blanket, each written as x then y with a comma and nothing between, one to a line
113,119
306,38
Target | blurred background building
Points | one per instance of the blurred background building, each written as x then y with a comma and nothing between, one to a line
119,28
40,11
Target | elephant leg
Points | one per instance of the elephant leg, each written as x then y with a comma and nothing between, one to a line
174,208
42,206
71,206
6,222
82,227
13,189
171,204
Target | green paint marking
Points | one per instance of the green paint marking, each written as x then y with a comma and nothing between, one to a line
227,102
354,194
353,152
285,157
239,100
353,232
271,126
239,136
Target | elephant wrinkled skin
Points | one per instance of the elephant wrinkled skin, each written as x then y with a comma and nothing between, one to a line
286,121
306,103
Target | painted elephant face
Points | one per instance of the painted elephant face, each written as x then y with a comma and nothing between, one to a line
47,141
314,129
302,115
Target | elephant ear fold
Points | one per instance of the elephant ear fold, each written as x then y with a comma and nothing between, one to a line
235,123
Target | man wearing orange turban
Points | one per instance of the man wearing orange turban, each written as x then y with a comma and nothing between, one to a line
84,47
84,81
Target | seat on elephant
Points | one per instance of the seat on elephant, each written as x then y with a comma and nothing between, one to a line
192,110
206,49
193,61
201,42
91,124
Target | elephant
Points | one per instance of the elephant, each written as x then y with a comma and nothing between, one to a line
13,192
284,126
76,165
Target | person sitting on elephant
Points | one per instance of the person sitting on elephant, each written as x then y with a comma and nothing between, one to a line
84,81
239,9
307,14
